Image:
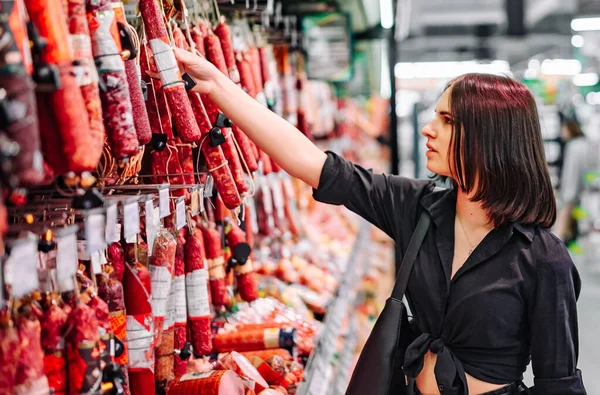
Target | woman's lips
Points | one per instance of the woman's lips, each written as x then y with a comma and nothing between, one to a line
430,148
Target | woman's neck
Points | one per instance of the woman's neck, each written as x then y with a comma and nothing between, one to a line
472,213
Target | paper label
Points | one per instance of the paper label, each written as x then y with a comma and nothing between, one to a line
140,342
171,311
22,267
151,228
112,235
208,188
163,202
180,214
82,251
180,300
95,231
271,338
66,260
131,215
196,288
160,278
166,64
96,262
196,375
195,201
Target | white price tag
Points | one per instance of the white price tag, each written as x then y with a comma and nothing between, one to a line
131,222
95,230
195,201
82,251
112,236
66,258
180,213
22,267
208,188
201,199
151,229
96,259
164,203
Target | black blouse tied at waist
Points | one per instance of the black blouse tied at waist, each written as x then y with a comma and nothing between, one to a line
513,300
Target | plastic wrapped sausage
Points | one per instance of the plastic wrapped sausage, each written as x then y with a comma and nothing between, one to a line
216,266
161,274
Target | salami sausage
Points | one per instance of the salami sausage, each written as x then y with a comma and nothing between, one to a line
10,350
138,106
83,351
244,272
30,377
222,31
54,326
140,328
198,38
87,76
179,291
22,126
116,102
217,382
116,256
65,133
161,272
254,339
171,80
197,290
216,266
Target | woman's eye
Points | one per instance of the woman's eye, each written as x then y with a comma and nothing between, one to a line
448,120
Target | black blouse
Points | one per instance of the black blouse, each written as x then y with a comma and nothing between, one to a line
513,300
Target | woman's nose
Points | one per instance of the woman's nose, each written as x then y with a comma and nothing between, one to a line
428,130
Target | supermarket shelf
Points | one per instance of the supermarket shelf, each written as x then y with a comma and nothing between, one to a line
320,366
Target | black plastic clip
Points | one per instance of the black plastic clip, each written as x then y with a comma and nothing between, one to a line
113,373
216,137
188,81
89,200
185,353
127,42
222,121
159,141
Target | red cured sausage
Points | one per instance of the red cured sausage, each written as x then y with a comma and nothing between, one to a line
180,303
10,350
140,331
244,274
87,76
65,133
54,326
111,291
116,256
116,102
83,350
215,382
171,80
197,290
216,266
240,364
222,31
30,376
161,273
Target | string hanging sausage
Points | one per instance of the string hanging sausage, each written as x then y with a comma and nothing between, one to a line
65,134
171,80
197,290
116,102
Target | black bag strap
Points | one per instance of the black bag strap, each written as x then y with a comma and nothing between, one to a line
408,261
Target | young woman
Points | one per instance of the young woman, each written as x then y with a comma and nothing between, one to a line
491,288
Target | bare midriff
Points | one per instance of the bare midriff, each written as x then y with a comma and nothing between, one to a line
427,384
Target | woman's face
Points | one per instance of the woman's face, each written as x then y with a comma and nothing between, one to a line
439,132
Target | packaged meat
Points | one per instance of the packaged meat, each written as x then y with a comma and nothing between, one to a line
216,382
161,272
242,366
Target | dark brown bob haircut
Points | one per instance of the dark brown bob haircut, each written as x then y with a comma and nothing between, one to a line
496,150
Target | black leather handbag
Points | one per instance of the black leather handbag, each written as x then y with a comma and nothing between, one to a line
379,367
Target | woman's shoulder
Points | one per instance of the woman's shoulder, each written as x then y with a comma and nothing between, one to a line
548,252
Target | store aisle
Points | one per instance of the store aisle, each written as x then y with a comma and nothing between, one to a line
589,324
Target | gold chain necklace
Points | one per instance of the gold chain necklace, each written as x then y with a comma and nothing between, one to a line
466,236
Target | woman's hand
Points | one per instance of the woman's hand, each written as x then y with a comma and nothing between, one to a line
204,72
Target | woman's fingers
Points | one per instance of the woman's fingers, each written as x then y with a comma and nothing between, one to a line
153,74
185,57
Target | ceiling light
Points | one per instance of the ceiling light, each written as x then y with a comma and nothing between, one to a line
577,41
592,98
530,74
534,64
585,79
386,12
424,70
561,67
585,24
